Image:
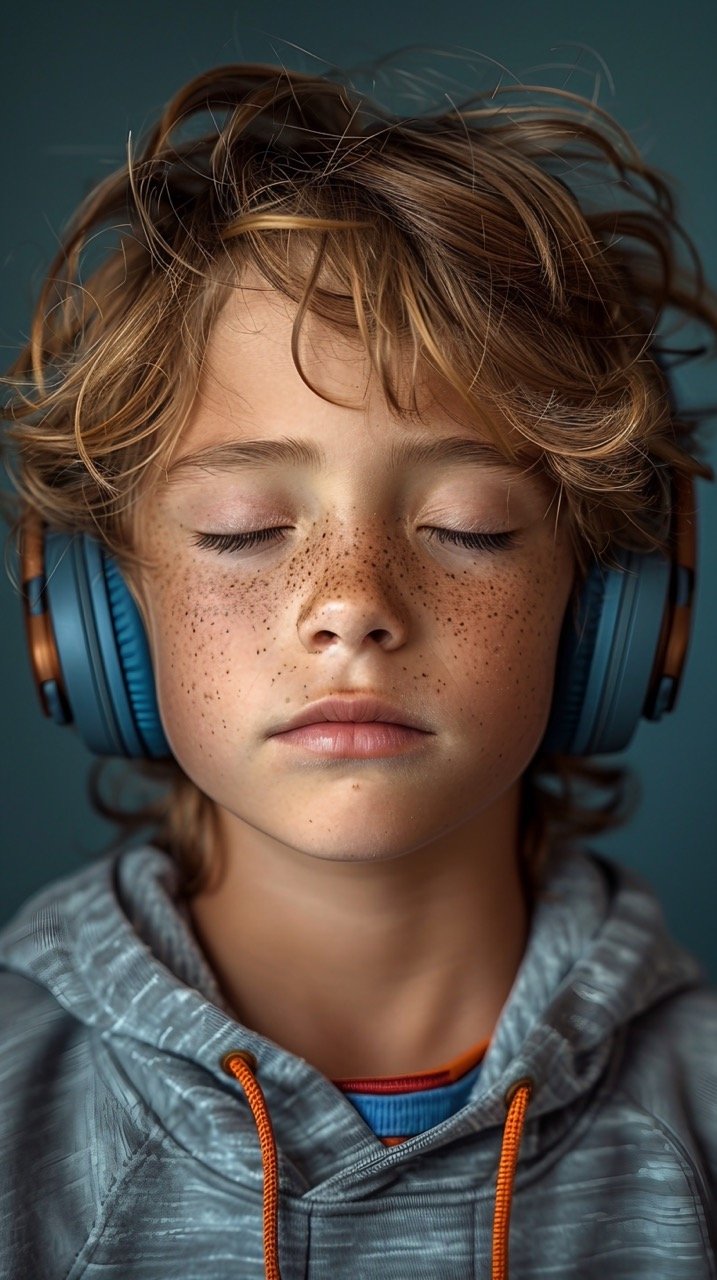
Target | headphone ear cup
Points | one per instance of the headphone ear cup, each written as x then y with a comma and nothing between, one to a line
102,649
606,655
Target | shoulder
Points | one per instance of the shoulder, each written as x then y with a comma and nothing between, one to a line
63,1138
31,1021
669,1070
681,1029
36,1035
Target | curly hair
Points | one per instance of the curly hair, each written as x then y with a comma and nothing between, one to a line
447,235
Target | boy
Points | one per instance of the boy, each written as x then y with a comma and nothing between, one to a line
365,1004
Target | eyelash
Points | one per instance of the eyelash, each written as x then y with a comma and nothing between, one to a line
490,542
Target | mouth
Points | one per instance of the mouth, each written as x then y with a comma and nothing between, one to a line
357,711
355,739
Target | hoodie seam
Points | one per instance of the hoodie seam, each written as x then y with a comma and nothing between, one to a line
693,1175
104,1212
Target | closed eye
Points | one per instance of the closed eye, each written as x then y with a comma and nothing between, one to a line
472,540
235,541
477,541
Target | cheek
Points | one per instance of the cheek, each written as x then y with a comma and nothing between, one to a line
218,641
514,613
502,644
209,641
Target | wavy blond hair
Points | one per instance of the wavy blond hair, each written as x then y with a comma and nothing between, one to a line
447,236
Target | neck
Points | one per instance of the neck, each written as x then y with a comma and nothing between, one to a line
369,968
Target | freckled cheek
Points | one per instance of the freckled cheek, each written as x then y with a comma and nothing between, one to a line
517,644
208,646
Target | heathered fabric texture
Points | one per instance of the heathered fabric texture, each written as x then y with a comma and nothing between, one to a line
127,1153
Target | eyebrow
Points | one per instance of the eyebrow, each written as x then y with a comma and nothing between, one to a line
421,451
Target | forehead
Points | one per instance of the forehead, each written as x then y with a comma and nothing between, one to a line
250,353
250,386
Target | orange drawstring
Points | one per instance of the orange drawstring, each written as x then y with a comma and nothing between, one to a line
517,1099
242,1065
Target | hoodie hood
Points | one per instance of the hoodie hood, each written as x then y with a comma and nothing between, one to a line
114,946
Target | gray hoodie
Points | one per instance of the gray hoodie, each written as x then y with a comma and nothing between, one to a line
130,1151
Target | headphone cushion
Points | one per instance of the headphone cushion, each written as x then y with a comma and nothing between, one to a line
574,662
135,659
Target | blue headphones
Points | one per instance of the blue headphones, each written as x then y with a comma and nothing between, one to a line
620,655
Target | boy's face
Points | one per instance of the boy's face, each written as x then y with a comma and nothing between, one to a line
355,595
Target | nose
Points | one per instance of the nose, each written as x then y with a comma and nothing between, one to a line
356,603
351,623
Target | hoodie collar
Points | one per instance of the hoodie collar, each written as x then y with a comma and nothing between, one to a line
114,945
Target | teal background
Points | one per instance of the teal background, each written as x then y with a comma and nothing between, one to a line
76,77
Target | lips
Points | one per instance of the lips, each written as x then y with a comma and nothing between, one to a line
359,710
